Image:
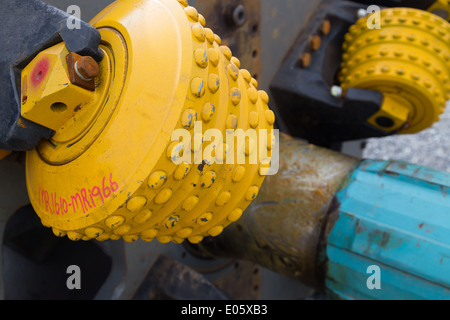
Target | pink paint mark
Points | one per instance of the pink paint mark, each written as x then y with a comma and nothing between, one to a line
40,71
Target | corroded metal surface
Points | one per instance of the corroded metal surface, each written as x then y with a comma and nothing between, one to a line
238,24
282,229
243,283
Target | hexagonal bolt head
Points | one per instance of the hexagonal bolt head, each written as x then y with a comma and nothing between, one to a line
87,68
50,97
82,70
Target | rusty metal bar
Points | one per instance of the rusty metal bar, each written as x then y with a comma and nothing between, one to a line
283,227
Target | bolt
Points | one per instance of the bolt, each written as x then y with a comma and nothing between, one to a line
238,15
325,28
315,43
87,68
361,13
336,91
305,60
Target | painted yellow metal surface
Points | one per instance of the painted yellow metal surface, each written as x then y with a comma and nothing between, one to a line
408,60
441,8
48,96
111,172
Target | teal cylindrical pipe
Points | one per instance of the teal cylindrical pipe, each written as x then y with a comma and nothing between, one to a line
354,229
391,234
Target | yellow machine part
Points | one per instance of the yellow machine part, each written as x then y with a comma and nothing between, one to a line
408,60
108,173
441,8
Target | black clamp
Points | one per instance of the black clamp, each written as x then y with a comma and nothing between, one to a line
31,27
